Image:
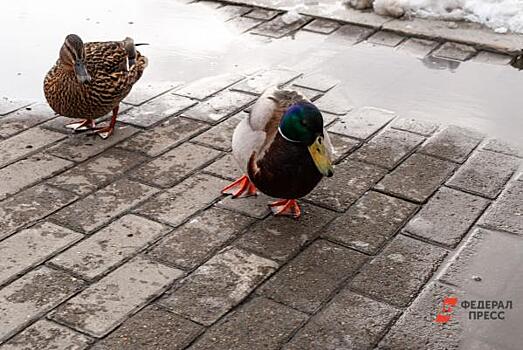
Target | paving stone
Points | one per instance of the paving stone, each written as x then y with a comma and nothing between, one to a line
323,26
418,126
361,123
7,105
418,47
311,95
100,207
220,136
279,238
317,81
183,200
218,285
210,3
388,148
225,167
350,321
336,101
243,24
263,14
254,206
342,146
452,143
31,296
24,119
343,14
350,34
46,335
15,212
447,216
419,319
505,214
351,180
158,109
104,305
32,246
189,245
219,107
417,177
259,82
173,166
29,171
455,51
151,329
164,136
313,276
58,124
485,173
205,87
25,143
500,146
492,58
81,147
397,274
97,172
329,118
228,12
142,93
267,324
386,38
370,222
280,26
110,246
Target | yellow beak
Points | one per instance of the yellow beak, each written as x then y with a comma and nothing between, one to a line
320,157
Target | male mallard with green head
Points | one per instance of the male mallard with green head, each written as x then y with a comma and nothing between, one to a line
90,80
283,149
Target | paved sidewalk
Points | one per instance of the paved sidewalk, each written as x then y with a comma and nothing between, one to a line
126,243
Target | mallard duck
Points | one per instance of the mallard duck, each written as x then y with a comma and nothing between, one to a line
283,150
90,80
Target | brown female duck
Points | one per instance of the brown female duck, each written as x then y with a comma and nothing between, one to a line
90,80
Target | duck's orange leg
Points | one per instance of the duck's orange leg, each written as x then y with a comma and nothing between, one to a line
82,125
243,187
107,131
286,207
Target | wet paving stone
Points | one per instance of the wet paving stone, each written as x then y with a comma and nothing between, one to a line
351,34
189,245
388,148
361,123
422,127
29,171
417,177
485,173
218,285
243,24
8,105
491,58
206,87
151,329
335,102
349,321
316,81
418,47
447,216
158,109
31,296
228,12
183,200
500,146
32,246
397,274
310,278
263,14
24,119
82,147
253,206
104,305
506,212
386,38
173,166
455,51
311,95
279,238
110,246
164,136
370,222
259,82
142,93
15,212
97,172
342,146
220,136
25,143
219,107
351,180
452,143
322,26
279,26
267,323
225,167
100,207
46,335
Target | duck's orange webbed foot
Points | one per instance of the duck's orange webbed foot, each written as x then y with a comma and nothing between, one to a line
104,132
82,125
243,187
286,207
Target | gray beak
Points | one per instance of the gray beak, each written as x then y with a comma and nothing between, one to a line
81,72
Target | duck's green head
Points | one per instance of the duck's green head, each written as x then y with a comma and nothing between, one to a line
303,123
